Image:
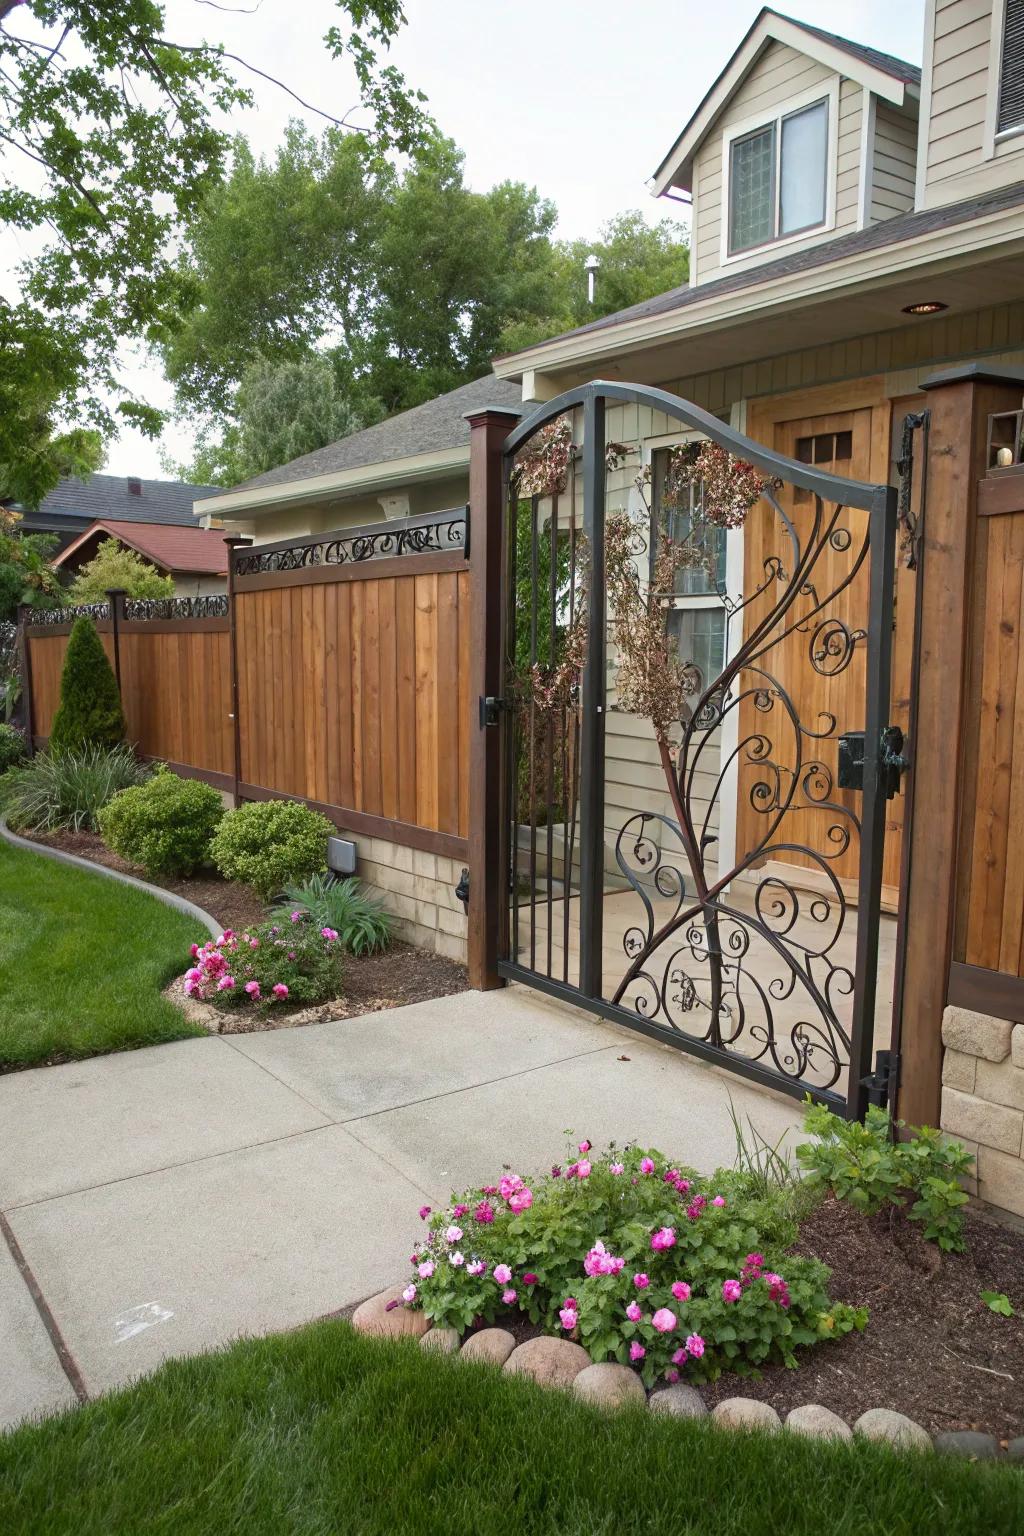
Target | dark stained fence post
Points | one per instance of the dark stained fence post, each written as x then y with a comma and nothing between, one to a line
487,895
116,597
24,617
234,543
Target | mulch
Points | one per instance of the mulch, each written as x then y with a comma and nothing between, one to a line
932,1349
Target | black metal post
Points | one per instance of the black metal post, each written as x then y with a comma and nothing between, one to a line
882,540
594,684
24,618
234,544
116,597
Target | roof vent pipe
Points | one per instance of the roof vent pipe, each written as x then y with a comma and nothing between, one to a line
591,267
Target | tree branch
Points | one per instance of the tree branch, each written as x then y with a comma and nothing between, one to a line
219,53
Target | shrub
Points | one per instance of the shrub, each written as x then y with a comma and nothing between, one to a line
115,567
862,1164
89,713
271,964
270,843
362,925
165,824
12,747
641,1261
67,790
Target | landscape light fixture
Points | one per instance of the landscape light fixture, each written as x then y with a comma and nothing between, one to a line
926,307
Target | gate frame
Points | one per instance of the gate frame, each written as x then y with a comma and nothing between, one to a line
488,957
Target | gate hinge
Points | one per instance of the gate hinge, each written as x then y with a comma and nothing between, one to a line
490,710
881,1083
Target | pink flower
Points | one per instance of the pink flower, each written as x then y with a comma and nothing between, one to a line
191,987
489,1189
718,1200
509,1185
731,1290
476,1268
409,1294
636,1351
225,984
424,1212
456,1259
663,1320
529,1278
556,1172
681,1291
672,1375
280,990
521,1200
584,1146
583,1169
253,989
484,1213
502,1274
682,1185
633,1312
296,917
453,1235
695,1345
600,1262
426,1269
679,1356
508,1297
641,1282
665,1237
568,1317
330,934
617,1168
459,1211
194,951
646,1165
195,974
254,943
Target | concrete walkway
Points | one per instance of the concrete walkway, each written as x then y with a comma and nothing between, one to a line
164,1201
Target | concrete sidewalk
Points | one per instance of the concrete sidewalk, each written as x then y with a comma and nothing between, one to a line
164,1201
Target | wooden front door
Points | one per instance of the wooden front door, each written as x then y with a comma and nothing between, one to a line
820,664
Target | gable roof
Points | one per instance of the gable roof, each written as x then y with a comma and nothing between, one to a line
109,497
888,77
180,551
437,424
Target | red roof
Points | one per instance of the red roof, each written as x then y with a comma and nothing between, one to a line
193,551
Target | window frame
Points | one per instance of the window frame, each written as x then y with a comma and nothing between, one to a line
828,93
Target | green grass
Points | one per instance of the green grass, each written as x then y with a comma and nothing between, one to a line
82,962
322,1432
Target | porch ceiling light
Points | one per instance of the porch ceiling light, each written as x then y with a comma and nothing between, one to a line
925,307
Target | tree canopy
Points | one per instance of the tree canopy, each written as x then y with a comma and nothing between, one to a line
108,144
26,575
116,568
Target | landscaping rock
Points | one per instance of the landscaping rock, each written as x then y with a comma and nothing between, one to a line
682,1401
492,1345
815,1421
893,1428
1015,1449
440,1341
552,1362
609,1385
969,1443
372,1316
745,1413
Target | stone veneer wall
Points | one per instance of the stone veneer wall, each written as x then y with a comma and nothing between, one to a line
983,1101
418,889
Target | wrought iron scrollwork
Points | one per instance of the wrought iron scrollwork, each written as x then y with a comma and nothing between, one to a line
438,534
68,614
213,605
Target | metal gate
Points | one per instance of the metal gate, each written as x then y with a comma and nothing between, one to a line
696,755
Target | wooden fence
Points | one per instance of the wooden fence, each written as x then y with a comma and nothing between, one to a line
335,671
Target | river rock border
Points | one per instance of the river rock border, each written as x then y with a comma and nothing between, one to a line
561,1364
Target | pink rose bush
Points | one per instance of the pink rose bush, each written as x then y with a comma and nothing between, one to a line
265,967
637,1259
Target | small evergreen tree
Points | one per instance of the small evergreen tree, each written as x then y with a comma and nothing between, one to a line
89,713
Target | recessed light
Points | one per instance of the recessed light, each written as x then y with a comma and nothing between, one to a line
926,307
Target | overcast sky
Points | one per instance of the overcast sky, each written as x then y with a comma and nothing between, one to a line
578,97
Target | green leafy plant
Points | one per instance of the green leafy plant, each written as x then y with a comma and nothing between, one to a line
640,1260
165,824
270,844
89,713
267,966
115,567
996,1301
12,747
67,790
362,924
864,1165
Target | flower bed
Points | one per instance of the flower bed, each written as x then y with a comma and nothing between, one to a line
639,1260
267,965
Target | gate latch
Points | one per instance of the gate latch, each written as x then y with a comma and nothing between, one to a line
490,710
892,761
881,1084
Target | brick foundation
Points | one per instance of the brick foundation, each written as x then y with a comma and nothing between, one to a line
418,889
983,1101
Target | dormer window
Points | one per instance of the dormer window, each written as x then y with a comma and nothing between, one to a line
1010,115
777,174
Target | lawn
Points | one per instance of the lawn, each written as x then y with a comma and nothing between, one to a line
323,1431
82,962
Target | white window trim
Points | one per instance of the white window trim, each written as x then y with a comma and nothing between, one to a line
993,143
828,92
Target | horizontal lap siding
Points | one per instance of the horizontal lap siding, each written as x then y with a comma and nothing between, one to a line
355,694
893,163
959,164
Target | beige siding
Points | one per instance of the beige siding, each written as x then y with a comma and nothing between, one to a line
323,517
780,76
960,160
893,163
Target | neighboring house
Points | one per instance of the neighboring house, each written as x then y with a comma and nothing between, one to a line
74,505
413,463
196,559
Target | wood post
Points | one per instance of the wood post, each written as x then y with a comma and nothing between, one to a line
234,542
488,430
960,402
24,618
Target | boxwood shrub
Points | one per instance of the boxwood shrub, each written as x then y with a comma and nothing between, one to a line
270,844
165,825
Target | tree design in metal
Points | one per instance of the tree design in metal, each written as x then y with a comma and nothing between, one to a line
754,972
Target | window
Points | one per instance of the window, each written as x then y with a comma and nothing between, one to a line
778,177
697,620
1010,115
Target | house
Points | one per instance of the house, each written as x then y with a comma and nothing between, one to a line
414,463
75,504
196,559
